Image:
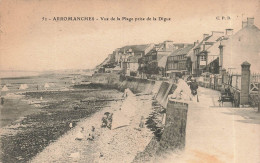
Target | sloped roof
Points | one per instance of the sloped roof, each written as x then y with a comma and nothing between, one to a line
159,56
242,46
214,49
199,45
214,37
151,51
162,61
190,53
182,51
210,39
158,45
135,48
213,52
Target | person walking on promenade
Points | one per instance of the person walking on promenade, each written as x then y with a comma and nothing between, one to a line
188,80
182,92
194,87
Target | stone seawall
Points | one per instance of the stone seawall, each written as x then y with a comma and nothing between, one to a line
173,136
160,89
116,81
162,95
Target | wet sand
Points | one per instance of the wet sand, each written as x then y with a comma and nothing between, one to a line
14,109
48,119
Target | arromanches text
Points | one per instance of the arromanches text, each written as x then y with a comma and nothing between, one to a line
73,18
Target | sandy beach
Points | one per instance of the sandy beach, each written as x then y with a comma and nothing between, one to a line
32,119
116,145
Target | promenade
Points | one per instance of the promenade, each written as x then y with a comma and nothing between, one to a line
219,134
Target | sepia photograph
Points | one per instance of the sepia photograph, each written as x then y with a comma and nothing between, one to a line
131,81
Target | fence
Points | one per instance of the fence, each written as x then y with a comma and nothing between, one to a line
219,82
254,89
244,86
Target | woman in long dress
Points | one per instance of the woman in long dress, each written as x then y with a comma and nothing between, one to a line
182,92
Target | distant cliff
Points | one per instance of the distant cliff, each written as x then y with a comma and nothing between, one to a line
110,59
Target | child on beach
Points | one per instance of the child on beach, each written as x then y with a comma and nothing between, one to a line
80,135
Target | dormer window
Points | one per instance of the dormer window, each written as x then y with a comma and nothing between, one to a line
203,58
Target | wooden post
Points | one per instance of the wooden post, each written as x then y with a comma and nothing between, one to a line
224,76
258,97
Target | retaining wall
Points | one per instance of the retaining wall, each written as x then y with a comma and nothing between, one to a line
136,85
174,132
162,95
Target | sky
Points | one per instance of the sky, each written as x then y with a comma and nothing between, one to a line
27,42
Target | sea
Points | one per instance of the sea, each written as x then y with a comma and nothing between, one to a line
14,84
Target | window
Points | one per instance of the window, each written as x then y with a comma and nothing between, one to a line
169,66
175,66
202,58
172,66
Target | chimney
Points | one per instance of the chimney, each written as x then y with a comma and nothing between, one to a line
229,32
168,45
217,33
250,21
244,24
196,43
205,35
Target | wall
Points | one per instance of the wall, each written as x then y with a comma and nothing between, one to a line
136,85
174,132
162,95
173,136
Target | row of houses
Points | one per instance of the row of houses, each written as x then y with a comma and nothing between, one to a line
226,50
215,51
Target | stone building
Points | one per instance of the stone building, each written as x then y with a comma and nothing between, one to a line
243,46
177,60
130,56
227,50
199,56
154,62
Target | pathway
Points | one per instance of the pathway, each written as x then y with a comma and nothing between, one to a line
219,134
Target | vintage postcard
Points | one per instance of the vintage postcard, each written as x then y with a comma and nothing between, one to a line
129,81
